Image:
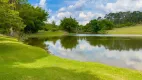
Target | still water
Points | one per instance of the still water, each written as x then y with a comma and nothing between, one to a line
121,51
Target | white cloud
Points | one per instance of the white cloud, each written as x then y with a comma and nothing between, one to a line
78,6
85,17
82,15
76,10
42,4
86,10
64,14
122,5
86,52
62,9
72,10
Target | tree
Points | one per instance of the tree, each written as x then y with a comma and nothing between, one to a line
123,19
87,28
10,22
54,24
33,17
69,24
50,27
99,18
80,29
17,3
96,26
93,24
105,24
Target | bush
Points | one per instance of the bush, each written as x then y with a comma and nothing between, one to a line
50,27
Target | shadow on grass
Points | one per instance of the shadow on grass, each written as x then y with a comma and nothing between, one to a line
51,73
16,52
12,52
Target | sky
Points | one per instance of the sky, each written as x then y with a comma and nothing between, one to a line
85,10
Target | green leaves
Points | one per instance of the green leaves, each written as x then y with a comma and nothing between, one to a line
33,17
69,24
123,19
9,19
18,15
96,26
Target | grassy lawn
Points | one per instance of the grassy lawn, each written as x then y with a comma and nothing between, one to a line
23,62
47,34
127,30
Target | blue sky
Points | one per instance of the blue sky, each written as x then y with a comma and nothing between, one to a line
51,4
85,10
57,4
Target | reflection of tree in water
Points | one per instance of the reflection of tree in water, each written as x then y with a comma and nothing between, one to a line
53,39
111,43
116,43
36,42
39,42
69,42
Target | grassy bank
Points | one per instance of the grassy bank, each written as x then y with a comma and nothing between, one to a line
127,30
48,34
23,62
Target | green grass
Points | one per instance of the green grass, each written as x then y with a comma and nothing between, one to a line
127,30
48,34
23,62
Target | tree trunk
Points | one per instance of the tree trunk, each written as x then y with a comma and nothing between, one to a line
11,32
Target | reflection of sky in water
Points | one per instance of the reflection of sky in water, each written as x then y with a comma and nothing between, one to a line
85,52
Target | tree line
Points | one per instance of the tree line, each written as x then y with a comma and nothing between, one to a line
18,16
101,24
122,19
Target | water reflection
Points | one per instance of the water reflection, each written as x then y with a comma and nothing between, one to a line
117,51
116,43
39,42
69,42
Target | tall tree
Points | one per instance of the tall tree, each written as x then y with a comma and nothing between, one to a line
10,21
123,19
33,17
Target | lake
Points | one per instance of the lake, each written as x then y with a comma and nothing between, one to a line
116,50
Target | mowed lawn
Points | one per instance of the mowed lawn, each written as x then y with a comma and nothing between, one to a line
19,61
42,34
127,30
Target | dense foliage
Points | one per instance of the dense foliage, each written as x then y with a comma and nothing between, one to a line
10,21
69,24
50,27
17,16
122,19
96,26
33,17
100,25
